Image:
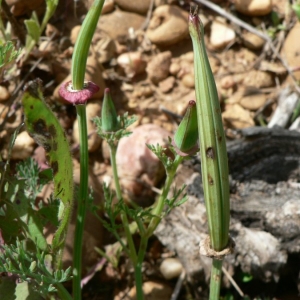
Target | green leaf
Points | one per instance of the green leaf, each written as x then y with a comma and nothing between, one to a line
296,8
44,127
35,229
33,30
24,290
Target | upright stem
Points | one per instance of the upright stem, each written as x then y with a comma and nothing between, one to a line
215,279
82,200
62,292
157,210
133,255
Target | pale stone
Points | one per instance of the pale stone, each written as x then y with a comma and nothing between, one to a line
258,79
4,93
174,68
23,146
74,34
252,41
158,67
132,63
253,7
106,49
117,23
253,102
237,117
93,110
48,47
188,80
152,291
108,7
171,268
290,49
167,84
137,6
221,35
168,25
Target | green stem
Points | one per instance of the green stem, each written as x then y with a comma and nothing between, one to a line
133,255
138,267
215,279
83,43
138,281
82,200
62,292
157,210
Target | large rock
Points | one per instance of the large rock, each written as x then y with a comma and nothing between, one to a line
138,6
253,7
290,49
117,23
139,169
168,25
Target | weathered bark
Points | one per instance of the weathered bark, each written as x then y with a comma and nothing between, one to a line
265,207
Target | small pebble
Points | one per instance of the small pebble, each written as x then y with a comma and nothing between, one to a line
23,146
221,35
253,7
4,93
171,268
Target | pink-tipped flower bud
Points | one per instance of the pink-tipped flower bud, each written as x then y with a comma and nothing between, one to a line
78,97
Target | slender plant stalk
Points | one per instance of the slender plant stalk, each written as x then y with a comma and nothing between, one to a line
213,154
82,47
79,59
62,292
215,279
136,260
157,210
82,200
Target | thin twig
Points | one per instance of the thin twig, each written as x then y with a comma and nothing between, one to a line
248,27
233,282
149,13
178,286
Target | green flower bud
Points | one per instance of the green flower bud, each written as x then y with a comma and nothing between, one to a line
186,136
109,118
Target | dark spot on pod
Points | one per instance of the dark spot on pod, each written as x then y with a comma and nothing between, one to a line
31,106
18,201
210,153
54,146
54,166
47,157
52,131
210,180
59,186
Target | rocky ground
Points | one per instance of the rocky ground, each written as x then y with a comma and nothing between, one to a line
142,51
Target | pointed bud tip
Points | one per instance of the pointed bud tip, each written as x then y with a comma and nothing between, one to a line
192,102
106,91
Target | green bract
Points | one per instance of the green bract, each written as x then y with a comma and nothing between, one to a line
186,136
109,118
